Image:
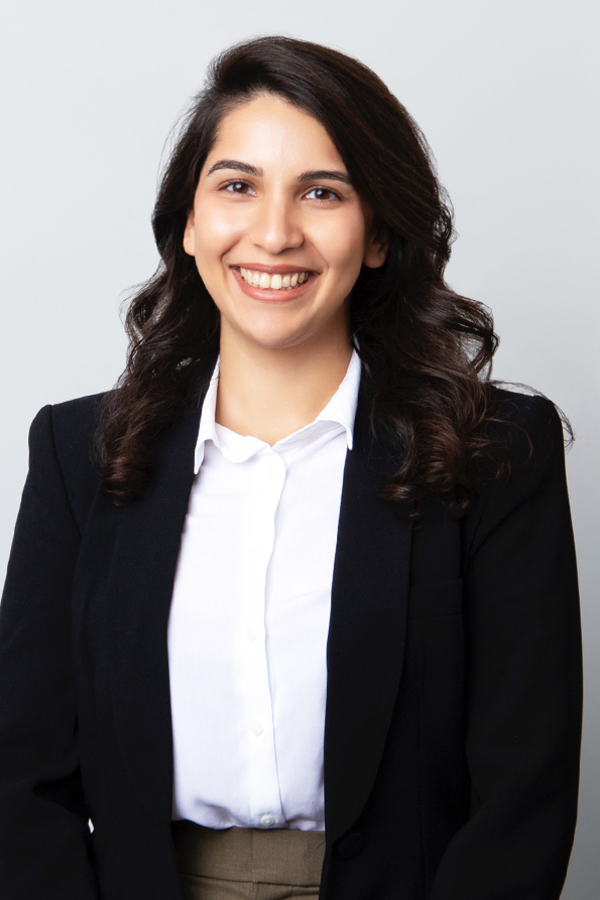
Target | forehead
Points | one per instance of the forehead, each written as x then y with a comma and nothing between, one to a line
267,131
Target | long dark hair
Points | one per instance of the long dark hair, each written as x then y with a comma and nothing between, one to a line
426,350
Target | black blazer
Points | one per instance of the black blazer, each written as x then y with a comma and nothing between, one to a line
454,678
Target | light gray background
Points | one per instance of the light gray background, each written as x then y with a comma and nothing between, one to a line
507,94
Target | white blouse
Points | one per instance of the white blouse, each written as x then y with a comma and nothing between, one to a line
249,620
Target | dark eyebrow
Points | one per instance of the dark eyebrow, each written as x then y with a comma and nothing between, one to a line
313,175
325,175
236,164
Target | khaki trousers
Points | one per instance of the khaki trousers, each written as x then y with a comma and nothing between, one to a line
248,863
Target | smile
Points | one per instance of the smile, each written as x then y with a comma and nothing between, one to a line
276,282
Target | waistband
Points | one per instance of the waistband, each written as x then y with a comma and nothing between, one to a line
279,856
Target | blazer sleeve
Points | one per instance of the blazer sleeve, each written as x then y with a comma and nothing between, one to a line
523,677
44,835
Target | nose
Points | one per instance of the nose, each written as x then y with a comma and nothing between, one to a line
276,225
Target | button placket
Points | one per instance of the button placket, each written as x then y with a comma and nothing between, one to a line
264,798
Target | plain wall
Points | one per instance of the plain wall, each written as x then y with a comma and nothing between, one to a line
506,92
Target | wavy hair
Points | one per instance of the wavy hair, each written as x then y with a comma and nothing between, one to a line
426,350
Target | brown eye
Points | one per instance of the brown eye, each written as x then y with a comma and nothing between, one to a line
237,187
321,193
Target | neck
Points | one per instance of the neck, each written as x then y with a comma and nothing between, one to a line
269,393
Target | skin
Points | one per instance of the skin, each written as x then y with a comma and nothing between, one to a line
283,355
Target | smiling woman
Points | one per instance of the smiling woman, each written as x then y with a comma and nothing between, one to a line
302,618
279,252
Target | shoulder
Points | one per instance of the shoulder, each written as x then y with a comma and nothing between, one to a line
75,421
62,437
530,430
71,425
528,424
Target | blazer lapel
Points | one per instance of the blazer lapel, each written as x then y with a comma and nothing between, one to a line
367,628
140,588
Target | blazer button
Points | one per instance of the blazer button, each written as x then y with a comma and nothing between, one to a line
350,846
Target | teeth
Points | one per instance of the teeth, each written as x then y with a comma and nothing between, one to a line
275,282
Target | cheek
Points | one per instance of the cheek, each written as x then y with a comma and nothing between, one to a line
342,244
217,230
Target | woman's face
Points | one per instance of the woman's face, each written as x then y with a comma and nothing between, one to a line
278,232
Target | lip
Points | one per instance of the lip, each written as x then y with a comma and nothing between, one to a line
273,296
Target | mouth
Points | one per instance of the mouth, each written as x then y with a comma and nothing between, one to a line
273,285
274,282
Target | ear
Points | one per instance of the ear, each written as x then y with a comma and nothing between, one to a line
375,251
189,234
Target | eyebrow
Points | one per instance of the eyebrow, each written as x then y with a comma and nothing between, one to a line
236,164
310,175
325,175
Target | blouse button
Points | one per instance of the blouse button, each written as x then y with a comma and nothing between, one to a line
267,821
256,728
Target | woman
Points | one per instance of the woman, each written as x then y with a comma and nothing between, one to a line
308,623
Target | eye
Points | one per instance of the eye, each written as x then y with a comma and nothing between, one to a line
237,187
322,193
